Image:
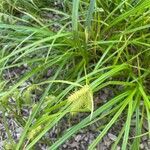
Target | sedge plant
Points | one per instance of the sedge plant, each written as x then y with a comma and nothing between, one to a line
86,45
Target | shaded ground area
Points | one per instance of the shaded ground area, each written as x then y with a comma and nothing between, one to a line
80,141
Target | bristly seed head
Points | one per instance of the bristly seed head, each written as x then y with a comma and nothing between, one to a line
81,100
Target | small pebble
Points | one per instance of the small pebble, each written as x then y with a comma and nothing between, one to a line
78,138
118,148
112,136
142,146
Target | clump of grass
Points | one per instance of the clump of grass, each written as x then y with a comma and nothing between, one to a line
94,43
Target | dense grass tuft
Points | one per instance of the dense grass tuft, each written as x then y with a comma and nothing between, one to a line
50,50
